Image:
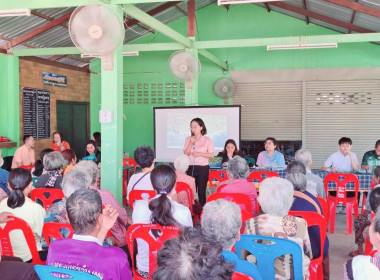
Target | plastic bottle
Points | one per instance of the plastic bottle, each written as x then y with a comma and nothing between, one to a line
370,164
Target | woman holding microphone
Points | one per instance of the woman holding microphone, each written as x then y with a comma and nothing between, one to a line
200,149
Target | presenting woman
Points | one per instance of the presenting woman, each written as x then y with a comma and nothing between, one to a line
200,149
58,144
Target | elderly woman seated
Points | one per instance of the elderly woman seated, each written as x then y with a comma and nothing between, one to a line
181,164
305,201
238,172
276,198
54,163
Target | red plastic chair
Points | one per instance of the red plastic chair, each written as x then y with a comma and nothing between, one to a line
261,175
139,195
341,180
325,208
183,187
29,167
315,219
241,199
127,162
368,245
365,200
143,231
241,276
53,231
217,175
47,196
6,245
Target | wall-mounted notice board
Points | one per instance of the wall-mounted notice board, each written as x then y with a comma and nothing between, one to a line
36,104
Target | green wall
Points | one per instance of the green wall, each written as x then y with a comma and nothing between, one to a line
9,100
216,23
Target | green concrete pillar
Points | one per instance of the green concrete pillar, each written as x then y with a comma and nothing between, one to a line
112,133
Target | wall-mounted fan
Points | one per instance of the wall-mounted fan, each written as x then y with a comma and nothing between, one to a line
97,31
185,66
224,88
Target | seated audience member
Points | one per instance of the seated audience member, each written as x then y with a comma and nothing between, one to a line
70,158
39,165
84,252
230,150
270,157
92,151
96,136
192,256
221,222
24,155
373,155
21,206
4,192
362,222
343,160
54,164
238,172
181,164
12,268
276,198
160,210
58,144
144,157
366,267
305,201
315,184
118,231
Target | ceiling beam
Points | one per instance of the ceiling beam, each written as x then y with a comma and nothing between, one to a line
56,57
43,4
320,17
55,63
167,31
36,31
191,18
181,10
218,44
356,7
37,14
353,17
267,7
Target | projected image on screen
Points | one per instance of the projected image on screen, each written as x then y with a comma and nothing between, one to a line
178,128
172,126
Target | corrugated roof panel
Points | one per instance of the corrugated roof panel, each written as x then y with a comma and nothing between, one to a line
55,13
329,26
367,21
51,37
330,10
70,61
18,26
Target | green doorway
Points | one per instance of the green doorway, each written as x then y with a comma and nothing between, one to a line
73,122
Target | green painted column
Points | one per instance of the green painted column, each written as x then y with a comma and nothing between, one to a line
191,94
112,133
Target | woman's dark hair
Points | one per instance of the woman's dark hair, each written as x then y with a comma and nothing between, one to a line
273,140
374,199
92,142
144,156
19,179
38,165
69,155
230,141
97,138
163,179
200,123
376,172
60,135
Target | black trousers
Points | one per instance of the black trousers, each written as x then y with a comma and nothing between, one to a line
200,173
12,268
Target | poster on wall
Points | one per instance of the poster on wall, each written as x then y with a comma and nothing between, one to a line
36,105
54,79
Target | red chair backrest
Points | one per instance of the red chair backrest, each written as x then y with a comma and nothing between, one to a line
314,219
183,187
140,195
29,167
130,162
53,230
261,175
143,231
6,245
47,196
241,276
341,180
325,208
241,199
217,175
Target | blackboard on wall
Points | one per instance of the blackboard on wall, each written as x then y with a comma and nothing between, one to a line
36,105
